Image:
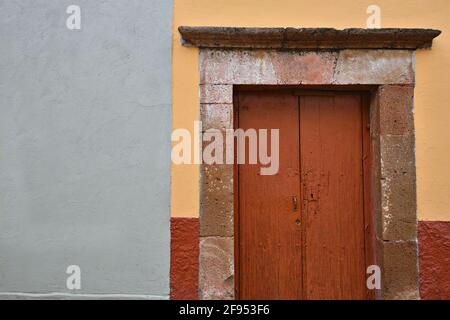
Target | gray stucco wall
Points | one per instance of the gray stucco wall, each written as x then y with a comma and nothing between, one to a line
85,121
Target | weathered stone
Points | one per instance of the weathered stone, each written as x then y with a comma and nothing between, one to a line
293,67
375,115
374,67
376,163
398,209
266,67
217,200
400,279
236,67
397,154
398,188
376,187
232,37
392,135
216,116
216,274
328,38
396,109
307,38
216,93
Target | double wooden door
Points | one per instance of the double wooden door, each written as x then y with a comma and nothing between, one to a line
302,233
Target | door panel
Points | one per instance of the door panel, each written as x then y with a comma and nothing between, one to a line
269,238
332,187
316,251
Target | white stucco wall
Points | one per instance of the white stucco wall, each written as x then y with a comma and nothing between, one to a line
85,121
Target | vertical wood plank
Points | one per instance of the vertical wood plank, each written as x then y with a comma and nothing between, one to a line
332,187
269,236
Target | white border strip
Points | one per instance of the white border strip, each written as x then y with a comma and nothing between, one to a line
62,295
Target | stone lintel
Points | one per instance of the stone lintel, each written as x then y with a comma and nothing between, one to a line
307,38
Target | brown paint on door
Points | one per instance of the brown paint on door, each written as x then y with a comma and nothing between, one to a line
301,233
270,238
332,188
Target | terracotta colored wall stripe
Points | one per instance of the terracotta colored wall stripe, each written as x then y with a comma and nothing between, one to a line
434,252
184,253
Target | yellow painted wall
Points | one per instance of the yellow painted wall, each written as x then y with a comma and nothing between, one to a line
432,95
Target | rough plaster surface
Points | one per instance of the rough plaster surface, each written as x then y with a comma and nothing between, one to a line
434,249
85,121
184,247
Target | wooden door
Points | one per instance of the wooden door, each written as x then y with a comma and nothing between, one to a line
270,239
301,233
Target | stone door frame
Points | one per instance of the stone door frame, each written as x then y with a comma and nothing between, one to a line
380,61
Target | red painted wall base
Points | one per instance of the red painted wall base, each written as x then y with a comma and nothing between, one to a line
434,254
184,253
